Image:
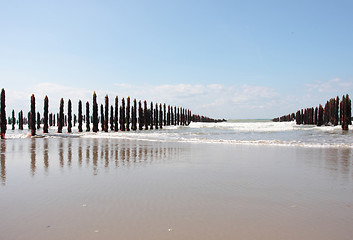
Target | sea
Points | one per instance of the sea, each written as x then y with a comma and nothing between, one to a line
239,132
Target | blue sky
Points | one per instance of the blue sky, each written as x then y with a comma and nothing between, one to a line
231,59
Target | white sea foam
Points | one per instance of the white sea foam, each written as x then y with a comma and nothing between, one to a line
236,132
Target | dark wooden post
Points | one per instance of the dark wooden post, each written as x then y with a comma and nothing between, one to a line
88,127
134,116
128,114
151,116
79,116
164,114
111,118
349,110
95,113
122,124
102,118
168,116
38,120
20,120
13,119
61,116
320,117
140,116
161,116
54,120
2,115
46,114
33,115
116,118
172,116
69,116
106,117
145,115
156,116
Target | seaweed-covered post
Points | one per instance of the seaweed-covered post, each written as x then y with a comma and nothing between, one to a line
116,118
13,119
156,116
69,116
46,114
33,115
88,127
95,113
128,114
111,118
79,116
61,116
122,115
140,116
2,115
106,113
102,117
38,120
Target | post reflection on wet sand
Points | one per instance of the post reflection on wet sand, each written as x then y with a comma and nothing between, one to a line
3,161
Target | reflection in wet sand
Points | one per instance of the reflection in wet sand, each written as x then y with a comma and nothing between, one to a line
33,156
3,161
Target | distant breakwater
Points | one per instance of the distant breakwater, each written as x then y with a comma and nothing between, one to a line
124,117
335,112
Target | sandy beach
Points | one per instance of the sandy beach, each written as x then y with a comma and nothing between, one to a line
76,188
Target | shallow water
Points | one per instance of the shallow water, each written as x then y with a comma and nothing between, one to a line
108,188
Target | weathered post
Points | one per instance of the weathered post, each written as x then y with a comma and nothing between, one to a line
95,113
116,118
13,119
61,116
54,119
151,116
128,114
156,116
168,116
111,118
79,116
33,115
88,127
2,115
123,118
145,115
140,116
46,115
171,116
134,116
178,116
160,116
106,117
102,118
69,116
38,120
20,120
164,114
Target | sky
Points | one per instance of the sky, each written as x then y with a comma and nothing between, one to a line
223,59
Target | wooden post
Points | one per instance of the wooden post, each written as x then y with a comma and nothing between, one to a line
88,127
69,116
106,113
33,115
145,114
128,114
116,117
161,116
13,119
38,120
164,114
61,116
2,115
141,123
151,116
171,116
102,118
20,120
122,124
134,116
79,116
156,116
95,113
75,120
168,116
111,118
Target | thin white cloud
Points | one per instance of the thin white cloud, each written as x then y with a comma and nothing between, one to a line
335,85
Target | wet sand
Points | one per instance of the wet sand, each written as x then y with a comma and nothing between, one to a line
84,188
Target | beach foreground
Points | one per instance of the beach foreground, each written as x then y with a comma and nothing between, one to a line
91,188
